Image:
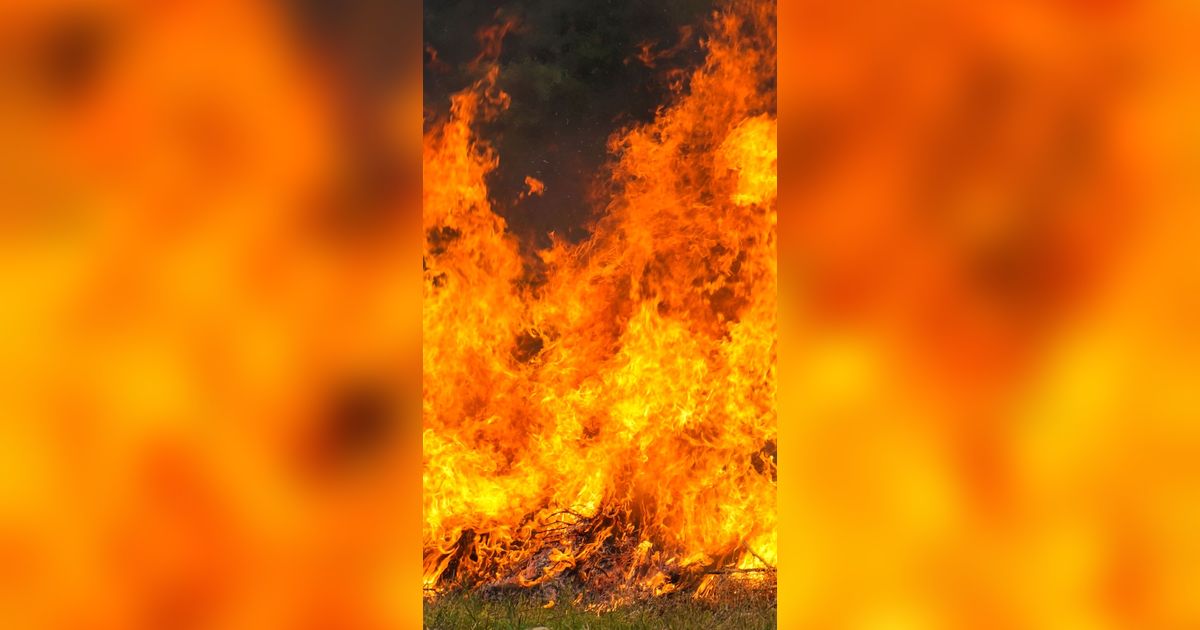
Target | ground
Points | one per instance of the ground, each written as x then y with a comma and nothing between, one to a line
743,610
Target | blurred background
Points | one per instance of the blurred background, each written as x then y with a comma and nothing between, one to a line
209,357
989,301
209,372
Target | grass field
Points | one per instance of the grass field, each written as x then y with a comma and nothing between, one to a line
743,610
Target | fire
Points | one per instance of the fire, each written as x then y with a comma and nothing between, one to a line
536,187
616,419
992,343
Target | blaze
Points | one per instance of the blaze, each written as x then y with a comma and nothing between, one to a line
620,409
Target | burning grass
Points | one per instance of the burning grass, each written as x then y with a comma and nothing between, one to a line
615,566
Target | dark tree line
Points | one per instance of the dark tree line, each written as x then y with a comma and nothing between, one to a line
577,70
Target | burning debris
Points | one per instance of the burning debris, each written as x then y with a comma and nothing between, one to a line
611,427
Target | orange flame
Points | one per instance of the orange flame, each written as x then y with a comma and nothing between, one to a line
536,187
624,407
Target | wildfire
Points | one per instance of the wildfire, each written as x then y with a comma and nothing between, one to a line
989,343
616,420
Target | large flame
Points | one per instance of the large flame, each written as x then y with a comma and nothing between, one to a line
988,334
619,409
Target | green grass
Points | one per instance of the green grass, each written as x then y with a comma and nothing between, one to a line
742,610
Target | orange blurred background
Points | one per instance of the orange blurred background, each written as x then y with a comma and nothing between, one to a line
990,414
209,372
209,365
